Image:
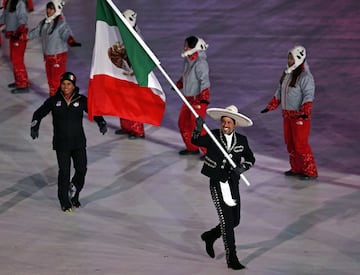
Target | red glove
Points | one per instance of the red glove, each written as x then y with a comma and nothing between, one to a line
9,34
20,33
71,41
21,29
30,5
204,96
305,110
273,104
180,84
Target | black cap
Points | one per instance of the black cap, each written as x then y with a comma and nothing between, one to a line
191,41
68,76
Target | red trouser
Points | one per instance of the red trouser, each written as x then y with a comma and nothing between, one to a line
132,127
55,66
296,135
17,54
187,123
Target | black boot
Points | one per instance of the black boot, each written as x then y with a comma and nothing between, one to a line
233,262
75,200
209,237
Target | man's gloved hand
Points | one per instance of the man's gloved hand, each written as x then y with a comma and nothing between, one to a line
198,127
34,130
264,110
34,133
102,127
238,170
199,124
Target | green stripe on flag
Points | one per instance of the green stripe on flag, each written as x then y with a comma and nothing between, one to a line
141,62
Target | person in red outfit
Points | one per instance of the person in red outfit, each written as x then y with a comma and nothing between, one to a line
1,25
15,17
55,36
295,94
195,86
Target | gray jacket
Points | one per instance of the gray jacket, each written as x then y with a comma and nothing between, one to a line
52,41
12,20
293,97
195,75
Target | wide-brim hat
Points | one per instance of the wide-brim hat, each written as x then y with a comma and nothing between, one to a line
232,112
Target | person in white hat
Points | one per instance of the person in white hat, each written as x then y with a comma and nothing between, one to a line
195,86
224,179
296,93
55,36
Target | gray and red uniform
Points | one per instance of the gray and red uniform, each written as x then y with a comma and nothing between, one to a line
55,37
296,103
195,85
30,8
15,17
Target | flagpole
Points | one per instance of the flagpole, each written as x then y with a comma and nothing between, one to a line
157,62
227,156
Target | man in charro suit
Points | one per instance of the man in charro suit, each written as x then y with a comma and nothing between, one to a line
224,179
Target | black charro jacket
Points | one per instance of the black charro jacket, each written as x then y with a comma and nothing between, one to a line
67,120
216,166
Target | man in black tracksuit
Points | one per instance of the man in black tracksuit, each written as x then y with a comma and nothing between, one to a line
221,173
67,107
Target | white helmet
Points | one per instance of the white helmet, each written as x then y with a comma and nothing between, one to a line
130,16
299,55
201,45
59,5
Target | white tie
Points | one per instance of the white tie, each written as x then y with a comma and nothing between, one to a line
226,193
228,140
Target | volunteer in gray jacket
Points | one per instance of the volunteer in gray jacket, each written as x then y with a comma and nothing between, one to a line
15,17
55,35
195,85
296,94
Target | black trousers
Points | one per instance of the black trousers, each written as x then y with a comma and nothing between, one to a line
79,158
229,217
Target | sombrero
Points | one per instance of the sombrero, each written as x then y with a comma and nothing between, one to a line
232,112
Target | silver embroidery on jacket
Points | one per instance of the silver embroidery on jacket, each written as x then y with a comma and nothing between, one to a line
209,162
238,148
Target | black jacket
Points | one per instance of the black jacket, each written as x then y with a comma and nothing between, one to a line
67,120
216,166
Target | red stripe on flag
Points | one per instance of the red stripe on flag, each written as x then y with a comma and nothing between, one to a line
109,96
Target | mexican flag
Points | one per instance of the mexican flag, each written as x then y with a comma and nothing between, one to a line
122,83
